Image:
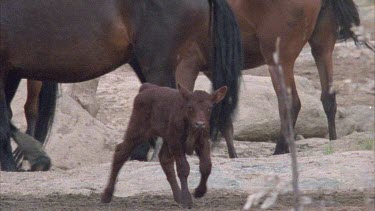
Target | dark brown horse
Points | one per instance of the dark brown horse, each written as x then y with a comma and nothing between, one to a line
182,119
72,41
297,22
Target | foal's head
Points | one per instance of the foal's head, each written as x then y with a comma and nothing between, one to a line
198,106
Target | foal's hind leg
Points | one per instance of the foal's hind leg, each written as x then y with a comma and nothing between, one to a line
31,105
322,43
167,164
121,155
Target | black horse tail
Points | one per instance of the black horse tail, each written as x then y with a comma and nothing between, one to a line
226,62
347,16
47,106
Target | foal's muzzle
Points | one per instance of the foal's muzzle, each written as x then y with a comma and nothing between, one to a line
200,125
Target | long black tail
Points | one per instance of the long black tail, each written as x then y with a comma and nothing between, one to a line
226,62
347,16
47,106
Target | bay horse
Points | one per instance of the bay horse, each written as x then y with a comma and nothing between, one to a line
297,22
182,119
73,41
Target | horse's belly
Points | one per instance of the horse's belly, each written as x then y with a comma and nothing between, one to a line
66,68
63,41
252,54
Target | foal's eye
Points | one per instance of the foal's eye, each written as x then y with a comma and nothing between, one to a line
190,107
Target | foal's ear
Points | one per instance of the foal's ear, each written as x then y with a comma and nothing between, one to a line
183,91
219,94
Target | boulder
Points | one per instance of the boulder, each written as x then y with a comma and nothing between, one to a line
257,118
355,118
85,94
77,138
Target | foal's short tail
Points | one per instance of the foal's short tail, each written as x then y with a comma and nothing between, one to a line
347,16
226,62
47,106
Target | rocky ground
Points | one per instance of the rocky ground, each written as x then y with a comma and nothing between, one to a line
336,175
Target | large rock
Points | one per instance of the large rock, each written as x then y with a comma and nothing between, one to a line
85,94
258,119
356,118
77,138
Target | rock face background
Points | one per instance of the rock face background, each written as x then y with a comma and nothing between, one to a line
78,138
91,119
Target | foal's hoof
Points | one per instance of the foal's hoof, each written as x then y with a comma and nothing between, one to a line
186,201
199,192
187,206
42,163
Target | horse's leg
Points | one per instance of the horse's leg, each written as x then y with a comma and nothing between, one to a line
140,152
183,170
11,86
228,136
186,74
281,145
322,43
6,156
205,166
32,149
31,105
227,132
167,164
157,148
159,71
188,69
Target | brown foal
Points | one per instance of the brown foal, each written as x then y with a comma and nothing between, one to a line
182,119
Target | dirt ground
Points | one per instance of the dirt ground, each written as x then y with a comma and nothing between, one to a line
218,200
354,75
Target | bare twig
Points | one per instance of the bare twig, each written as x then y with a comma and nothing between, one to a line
288,131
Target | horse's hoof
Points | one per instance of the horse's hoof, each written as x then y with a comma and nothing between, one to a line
106,198
281,148
280,152
42,163
234,155
199,192
9,168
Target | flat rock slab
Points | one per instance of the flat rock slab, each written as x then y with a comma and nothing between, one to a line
336,172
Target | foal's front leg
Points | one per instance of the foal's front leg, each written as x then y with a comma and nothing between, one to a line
167,164
205,167
183,170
